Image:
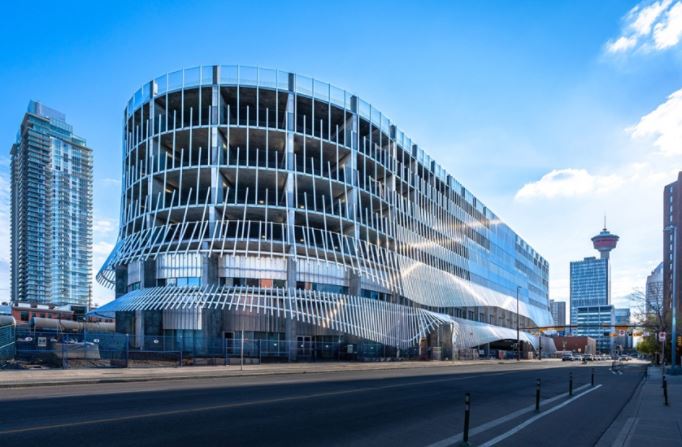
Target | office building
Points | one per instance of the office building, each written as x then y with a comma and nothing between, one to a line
591,307
558,310
267,202
51,211
654,292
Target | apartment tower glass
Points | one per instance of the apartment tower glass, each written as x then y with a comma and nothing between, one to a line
51,207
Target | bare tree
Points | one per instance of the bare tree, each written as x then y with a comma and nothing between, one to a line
650,315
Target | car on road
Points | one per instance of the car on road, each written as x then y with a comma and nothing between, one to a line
588,357
567,358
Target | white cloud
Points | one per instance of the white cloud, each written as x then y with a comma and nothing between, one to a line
104,227
640,19
667,32
649,26
621,44
664,124
114,182
568,183
102,249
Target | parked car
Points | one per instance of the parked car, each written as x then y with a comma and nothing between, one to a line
567,358
588,357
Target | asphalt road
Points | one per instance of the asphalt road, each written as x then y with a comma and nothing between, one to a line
407,407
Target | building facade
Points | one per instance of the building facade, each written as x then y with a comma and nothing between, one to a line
51,211
623,334
654,292
672,249
267,202
596,322
589,283
591,308
558,310
576,344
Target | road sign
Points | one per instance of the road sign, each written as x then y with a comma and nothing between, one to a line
661,336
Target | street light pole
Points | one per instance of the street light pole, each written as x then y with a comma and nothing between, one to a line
518,345
673,341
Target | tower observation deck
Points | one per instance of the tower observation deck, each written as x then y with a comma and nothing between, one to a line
604,242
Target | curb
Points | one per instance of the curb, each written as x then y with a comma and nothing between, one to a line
228,374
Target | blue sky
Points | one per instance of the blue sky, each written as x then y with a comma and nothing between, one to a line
536,107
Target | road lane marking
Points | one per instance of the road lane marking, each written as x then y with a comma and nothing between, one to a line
452,440
526,423
238,404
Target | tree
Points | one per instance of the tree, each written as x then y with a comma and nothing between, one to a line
647,346
652,317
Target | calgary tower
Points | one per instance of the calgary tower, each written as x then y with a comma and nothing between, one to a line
604,242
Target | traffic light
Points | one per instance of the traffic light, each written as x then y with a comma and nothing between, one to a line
679,340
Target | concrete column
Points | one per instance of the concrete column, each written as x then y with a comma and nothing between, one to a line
351,166
139,329
216,181
148,273
290,325
209,270
121,278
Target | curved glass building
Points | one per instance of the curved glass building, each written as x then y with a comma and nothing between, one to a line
267,202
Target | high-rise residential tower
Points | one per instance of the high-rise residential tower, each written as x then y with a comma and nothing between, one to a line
51,207
591,307
672,218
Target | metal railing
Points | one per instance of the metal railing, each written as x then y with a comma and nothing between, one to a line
88,350
7,342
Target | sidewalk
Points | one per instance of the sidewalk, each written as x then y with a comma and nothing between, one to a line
646,420
21,378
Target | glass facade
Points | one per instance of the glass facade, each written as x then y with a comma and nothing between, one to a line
268,184
51,234
597,322
590,300
558,309
589,282
654,292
